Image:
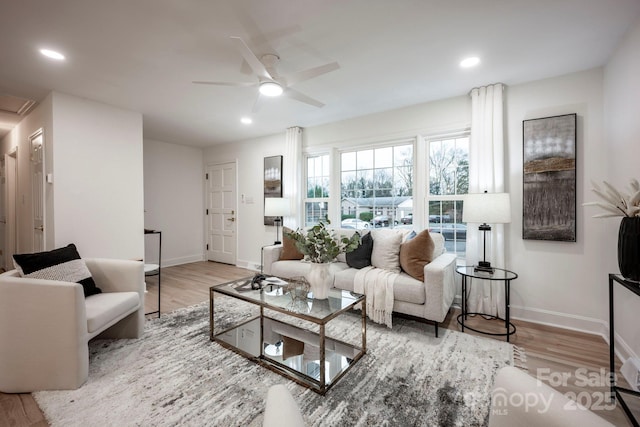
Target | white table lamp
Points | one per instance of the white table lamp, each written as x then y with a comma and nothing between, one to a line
278,207
484,209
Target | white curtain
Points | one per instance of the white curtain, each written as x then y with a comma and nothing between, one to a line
292,176
486,173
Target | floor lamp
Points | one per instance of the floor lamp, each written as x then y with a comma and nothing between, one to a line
278,207
484,209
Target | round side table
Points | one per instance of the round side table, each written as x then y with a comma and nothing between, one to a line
469,273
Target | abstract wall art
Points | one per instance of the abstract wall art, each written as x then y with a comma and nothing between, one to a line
549,184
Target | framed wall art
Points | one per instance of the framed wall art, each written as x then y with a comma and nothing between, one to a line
549,178
272,182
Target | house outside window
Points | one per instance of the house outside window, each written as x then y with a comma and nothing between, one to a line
316,202
377,186
448,182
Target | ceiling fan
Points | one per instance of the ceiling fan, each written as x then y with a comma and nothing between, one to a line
270,83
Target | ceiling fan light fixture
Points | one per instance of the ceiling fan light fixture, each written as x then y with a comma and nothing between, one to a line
472,61
271,88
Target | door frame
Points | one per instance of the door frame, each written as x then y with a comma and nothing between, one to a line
34,203
11,206
206,204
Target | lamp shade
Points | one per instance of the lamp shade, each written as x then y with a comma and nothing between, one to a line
489,208
277,206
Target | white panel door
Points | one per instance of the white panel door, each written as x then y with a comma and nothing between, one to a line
221,213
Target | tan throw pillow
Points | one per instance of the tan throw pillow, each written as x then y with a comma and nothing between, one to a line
386,249
416,253
289,250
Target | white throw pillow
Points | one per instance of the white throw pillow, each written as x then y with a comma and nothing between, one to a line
438,240
386,249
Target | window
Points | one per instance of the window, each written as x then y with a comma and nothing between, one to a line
448,182
377,187
316,200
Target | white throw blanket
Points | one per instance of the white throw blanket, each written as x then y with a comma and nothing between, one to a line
377,285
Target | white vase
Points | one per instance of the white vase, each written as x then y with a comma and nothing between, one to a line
320,280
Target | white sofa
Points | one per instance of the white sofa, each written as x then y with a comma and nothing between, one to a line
519,400
45,325
429,299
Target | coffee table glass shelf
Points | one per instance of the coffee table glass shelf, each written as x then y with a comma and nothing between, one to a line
288,333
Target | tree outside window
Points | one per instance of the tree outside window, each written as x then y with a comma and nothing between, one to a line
448,182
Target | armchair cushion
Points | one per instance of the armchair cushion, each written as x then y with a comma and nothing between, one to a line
63,264
109,308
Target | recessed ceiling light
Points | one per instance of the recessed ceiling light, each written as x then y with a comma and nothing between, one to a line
470,62
270,88
246,120
52,54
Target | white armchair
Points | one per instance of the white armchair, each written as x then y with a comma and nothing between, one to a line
45,325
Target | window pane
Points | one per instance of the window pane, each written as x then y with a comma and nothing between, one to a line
317,188
449,166
314,212
384,157
448,176
378,193
348,161
365,159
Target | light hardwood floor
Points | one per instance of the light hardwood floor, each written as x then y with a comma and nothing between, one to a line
550,352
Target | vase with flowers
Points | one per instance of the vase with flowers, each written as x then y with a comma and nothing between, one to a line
320,246
627,205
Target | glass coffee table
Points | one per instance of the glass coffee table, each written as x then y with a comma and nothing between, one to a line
312,342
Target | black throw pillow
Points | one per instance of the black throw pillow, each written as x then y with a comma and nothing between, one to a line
62,264
361,256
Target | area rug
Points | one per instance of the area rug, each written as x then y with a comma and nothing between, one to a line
175,376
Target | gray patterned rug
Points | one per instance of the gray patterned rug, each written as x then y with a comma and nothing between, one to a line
176,376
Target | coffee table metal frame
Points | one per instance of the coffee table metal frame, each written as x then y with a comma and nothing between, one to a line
257,297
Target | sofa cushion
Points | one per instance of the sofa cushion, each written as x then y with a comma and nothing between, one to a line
108,308
289,249
416,253
63,264
438,244
405,287
291,268
347,232
386,249
361,256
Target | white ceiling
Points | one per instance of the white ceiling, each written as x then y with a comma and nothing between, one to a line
142,55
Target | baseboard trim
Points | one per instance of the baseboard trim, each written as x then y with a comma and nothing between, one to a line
572,322
249,265
588,325
182,260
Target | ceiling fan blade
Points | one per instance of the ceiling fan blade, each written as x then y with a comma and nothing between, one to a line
234,84
311,73
253,61
257,105
294,94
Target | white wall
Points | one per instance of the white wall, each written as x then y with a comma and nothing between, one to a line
622,139
559,283
173,202
97,178
249,156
